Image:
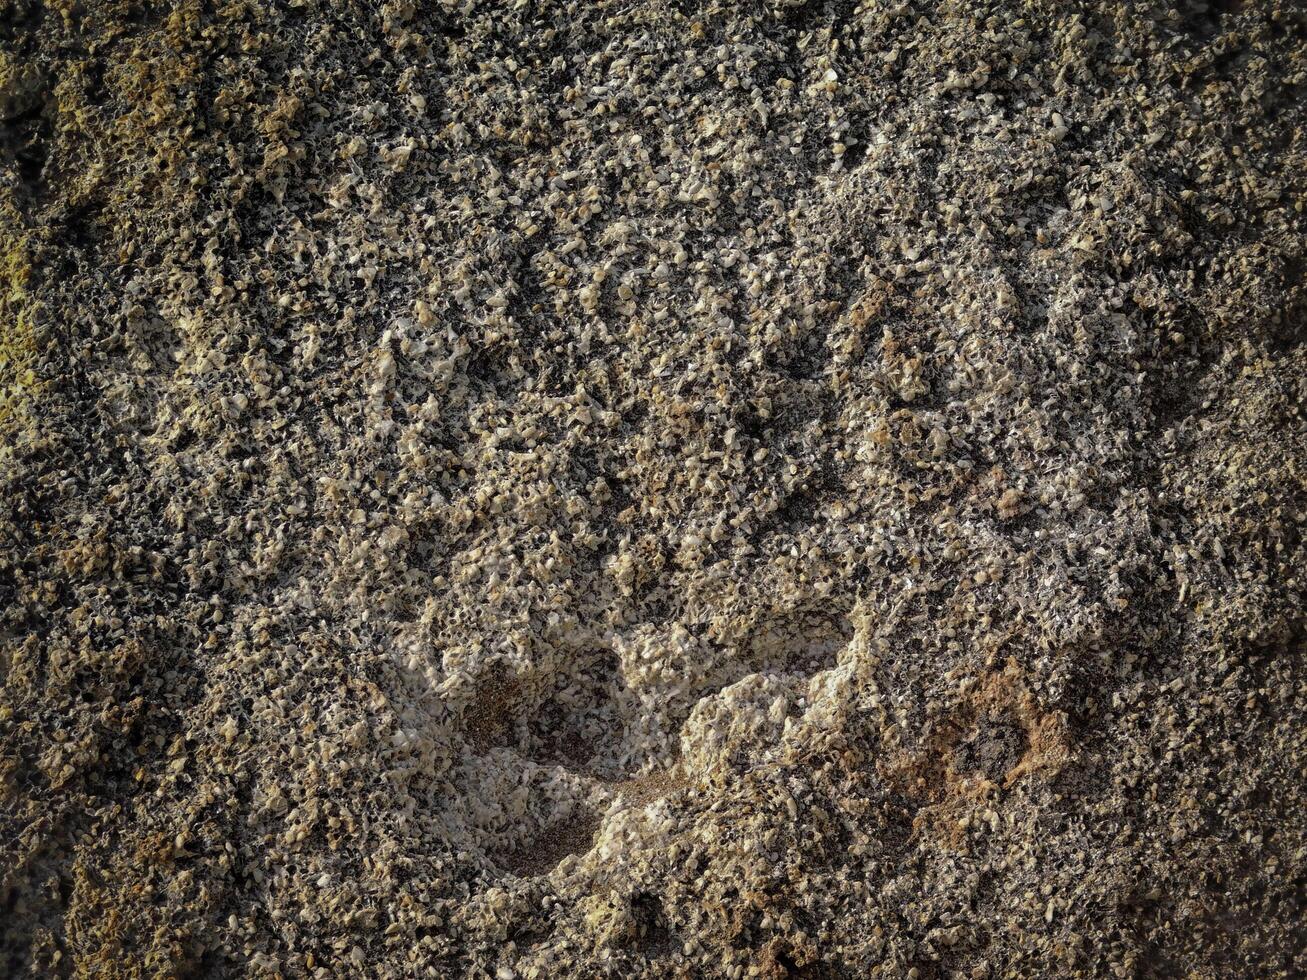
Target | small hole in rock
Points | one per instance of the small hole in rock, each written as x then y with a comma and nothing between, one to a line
653,933
490,718
994,747
580,722
544,851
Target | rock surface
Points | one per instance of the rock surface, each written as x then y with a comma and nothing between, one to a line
652,488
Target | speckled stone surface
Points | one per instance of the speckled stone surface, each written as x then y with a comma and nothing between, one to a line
652,489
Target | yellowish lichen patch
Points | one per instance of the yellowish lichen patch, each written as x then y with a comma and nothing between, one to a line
19,380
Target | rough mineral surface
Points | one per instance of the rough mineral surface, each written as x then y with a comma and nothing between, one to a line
638,488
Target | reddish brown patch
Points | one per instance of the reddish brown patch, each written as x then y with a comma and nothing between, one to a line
784,958
997,735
